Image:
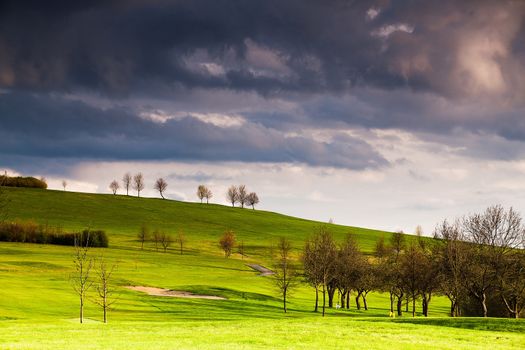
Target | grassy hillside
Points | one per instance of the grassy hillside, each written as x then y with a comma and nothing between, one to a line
36,297
122,216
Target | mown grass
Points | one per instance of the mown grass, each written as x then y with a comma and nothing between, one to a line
38,308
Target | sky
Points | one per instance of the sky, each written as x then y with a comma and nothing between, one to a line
382,114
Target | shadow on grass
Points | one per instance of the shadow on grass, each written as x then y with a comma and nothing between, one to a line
474,323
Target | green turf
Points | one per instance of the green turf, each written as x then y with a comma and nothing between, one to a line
38,308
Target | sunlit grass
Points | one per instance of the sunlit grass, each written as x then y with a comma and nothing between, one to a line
38,308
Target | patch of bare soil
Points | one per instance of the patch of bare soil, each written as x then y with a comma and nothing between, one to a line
162,292
263,270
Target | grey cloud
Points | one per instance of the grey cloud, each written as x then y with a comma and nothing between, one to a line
44,126
143,46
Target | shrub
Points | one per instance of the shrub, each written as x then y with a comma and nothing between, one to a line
30,232
20,181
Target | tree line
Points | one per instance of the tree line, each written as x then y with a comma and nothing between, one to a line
478,263
234,195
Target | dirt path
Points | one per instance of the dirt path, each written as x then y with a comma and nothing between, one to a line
263,270
162,292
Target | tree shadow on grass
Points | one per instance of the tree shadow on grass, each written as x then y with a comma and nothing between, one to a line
473,323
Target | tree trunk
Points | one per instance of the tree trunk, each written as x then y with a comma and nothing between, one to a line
400,305
484,304
81,309
413,306
406,304
348,299
391,303
331,293
364,301
343,297
316,298
284,301
357,303
324,298
452,308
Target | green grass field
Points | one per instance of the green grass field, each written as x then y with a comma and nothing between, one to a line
38,307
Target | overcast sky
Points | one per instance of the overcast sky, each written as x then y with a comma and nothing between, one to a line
382,114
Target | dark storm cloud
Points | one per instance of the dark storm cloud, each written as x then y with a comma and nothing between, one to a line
267,46
72,129
432,67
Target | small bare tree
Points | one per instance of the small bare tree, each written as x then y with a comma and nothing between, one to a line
242,195
419,231
105,297
285,272
138,183
180,240
126,180
165,240
143,235
208,195
83,264
64,184
114,186
240,249
201,192
157,238
252,200
161,185
227,242
233,195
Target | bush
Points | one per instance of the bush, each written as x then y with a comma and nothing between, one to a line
30,232
20,181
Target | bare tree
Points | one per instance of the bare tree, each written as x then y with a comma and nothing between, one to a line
452,261
114,186
320,260
161,185
346,271
143,235
512,283
419,231
240,249
252,200
138,183
496,233
233,195
242,195
157,238
312,268
126,181
180,240
105,297
227,242
83,264
208,195
64,184
409,268
201,192
165,240
285,276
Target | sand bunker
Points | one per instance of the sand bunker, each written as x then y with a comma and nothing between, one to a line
162,292
263,270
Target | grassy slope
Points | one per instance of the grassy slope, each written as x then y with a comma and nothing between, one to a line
35,288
